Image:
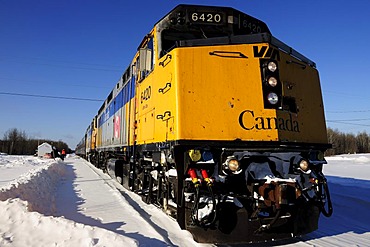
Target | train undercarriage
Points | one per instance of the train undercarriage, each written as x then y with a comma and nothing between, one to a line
223,194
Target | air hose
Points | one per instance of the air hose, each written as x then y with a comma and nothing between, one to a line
269,225
195,209
329,211
205,222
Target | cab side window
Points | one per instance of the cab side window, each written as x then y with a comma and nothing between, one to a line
146,58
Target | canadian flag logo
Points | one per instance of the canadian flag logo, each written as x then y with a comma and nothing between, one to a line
117,123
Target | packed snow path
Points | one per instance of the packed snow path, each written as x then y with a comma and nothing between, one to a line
90,197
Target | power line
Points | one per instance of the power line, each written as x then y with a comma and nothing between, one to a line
350,120
340,122
347,111
68,67
59,61
43,82
49,96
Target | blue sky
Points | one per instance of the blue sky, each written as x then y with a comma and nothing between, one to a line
79,49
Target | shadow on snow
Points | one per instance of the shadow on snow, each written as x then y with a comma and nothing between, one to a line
68,203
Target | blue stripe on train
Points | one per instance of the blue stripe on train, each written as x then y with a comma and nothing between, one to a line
123,97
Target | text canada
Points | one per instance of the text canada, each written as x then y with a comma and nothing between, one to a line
248,121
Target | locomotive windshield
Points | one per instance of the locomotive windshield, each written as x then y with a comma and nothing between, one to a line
188,22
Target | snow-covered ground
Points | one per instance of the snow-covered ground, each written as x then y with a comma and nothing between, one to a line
71,203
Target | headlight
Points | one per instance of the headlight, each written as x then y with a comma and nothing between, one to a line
231,165
304,165
272,98
272,66
272,81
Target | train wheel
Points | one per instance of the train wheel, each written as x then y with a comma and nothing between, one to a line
119,171
138,184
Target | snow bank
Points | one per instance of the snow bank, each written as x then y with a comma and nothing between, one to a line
19,227
350,166
14,166
27,203
357,158
37,187
362,159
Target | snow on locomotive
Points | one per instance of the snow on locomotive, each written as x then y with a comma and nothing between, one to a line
221,125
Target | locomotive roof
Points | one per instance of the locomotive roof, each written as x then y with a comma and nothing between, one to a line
241,22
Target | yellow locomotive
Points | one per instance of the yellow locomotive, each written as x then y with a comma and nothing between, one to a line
221,125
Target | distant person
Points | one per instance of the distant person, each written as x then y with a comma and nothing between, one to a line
63,154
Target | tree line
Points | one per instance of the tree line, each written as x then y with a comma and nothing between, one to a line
344,143
16,142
